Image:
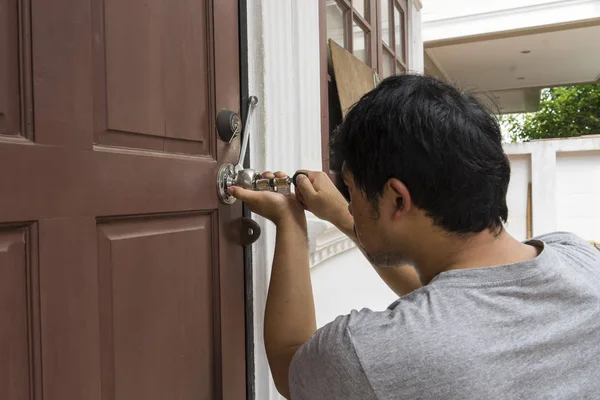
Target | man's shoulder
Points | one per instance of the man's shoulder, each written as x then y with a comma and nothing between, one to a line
564,239
571,245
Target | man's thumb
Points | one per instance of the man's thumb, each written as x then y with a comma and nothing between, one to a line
305,187
241,194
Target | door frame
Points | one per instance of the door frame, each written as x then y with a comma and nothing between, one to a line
248,265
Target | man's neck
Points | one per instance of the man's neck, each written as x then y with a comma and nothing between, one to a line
484,249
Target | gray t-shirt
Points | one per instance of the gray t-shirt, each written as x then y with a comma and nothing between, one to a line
522,331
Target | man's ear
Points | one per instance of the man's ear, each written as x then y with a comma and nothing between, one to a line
400,196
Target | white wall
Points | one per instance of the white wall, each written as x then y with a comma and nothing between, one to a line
578,192
347,282
516,197
565,179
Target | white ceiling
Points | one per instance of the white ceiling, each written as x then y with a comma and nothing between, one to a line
442,9
511,101
556,58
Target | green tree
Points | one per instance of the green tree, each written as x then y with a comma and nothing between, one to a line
564,112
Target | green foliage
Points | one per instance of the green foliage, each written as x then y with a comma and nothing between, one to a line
564,112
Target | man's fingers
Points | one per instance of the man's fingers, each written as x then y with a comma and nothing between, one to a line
280,174
304,187
312,175
267,175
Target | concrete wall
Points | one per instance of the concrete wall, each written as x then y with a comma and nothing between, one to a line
565,184
347,282
578,192
517,195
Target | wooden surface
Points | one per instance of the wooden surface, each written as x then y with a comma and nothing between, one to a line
353,78
121,273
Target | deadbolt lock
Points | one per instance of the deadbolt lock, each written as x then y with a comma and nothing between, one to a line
229,125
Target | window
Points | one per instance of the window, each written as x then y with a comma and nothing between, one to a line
392,46
350,24
375,31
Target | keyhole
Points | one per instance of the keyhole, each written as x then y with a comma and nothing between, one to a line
250,231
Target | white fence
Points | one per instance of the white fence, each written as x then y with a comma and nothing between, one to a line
564,180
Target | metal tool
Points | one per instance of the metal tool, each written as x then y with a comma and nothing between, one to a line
247,178
279,185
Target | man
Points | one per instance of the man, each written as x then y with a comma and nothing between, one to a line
494,318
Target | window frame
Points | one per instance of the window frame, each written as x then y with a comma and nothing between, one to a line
375,56
391,49
368,24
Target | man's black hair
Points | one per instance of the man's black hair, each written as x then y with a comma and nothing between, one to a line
441,143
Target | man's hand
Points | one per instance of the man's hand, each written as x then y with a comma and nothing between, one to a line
318,194
273,206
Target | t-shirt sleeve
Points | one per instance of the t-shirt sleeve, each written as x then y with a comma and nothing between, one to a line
582,252
327,366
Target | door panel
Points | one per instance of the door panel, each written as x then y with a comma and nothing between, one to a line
15,316
124,269
149,272
153,75
9,68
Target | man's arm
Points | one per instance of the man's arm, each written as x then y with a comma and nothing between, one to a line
290,312
320,196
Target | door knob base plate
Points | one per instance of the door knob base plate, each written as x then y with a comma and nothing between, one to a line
225,178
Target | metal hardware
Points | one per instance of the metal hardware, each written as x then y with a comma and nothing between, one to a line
252,101
229,125
235,175
279,185
250,231
225,180
229,174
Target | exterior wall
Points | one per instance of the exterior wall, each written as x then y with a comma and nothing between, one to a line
517,195
578,193
565,179
347,282
284,72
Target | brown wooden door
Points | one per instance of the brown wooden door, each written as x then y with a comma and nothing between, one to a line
120,273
